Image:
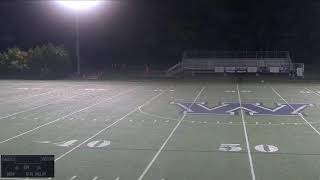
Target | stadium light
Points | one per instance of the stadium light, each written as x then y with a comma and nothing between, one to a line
76,6
79,4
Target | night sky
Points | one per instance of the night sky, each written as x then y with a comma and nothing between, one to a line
157,31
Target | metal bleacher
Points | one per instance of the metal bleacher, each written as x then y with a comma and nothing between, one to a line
236,62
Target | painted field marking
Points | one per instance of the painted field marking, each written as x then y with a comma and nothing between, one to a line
99,144
168,138
253,176
42,106
109,126
92,89
300,115
314,92
42,142
70,114
230,147
69,143
245,91
156,116
229,91
20,178
15,100
266,148
28,88
305,92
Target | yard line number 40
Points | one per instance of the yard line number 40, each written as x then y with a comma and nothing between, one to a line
267,148
92,144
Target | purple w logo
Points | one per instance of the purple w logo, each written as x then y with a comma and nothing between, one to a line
253,109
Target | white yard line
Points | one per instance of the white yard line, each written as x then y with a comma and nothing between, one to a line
53,102
301,116
109,126
61,118
168,138
253,175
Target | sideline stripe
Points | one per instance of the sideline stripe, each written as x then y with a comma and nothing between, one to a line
15,100
109,126
61,118
168,138
42,105
253,175
300,115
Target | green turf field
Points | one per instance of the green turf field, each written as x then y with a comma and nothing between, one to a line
134,130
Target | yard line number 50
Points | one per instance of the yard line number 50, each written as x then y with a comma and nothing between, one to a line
267,148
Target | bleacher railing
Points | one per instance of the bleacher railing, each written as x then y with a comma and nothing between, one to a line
236,61
236,54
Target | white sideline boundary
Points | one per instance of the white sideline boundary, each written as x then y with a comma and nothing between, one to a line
70,114
168,138
109,126
53,102
253,175
16,100
301,116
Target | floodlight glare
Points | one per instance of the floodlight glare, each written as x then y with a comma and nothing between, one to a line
79,4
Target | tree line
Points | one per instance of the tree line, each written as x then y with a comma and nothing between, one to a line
46,61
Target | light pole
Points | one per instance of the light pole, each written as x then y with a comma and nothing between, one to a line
77,44
76,6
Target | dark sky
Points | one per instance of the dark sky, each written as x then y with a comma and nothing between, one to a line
157,31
